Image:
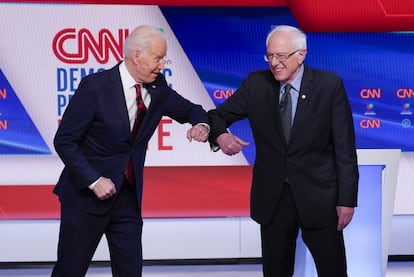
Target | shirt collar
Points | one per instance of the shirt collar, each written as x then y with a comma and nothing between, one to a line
296,81
126,78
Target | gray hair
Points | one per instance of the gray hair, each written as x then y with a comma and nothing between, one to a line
139,39
298,37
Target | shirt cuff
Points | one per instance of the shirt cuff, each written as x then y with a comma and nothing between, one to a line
205,125
91,186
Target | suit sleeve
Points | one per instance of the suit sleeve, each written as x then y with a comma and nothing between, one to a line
72,129
345,149
233,109
181,109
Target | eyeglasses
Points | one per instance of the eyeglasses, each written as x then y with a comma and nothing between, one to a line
268,57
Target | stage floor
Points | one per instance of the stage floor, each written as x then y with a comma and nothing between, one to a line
394,269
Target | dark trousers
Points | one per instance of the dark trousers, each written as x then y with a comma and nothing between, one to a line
80,233
279,243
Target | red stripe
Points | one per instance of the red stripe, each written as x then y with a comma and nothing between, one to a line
312,16
204,191
218,3
353,15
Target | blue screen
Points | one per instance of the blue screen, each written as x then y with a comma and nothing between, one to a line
225,44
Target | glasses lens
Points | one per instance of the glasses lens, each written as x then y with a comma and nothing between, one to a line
282,58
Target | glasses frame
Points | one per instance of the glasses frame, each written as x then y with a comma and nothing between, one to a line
268,57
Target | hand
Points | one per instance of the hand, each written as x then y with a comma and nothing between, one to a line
198,133
230,144
104,188
344,216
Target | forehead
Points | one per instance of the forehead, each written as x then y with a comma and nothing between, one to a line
157,47
280,42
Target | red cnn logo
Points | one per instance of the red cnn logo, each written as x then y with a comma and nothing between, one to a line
405,93
370,123
4,125
3,93
223,93
370,93
74,47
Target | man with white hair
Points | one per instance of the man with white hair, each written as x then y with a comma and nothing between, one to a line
305,174
102,140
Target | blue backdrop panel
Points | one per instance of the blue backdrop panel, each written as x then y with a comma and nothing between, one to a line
225,44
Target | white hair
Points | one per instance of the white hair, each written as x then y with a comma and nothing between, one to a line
139,39
298,37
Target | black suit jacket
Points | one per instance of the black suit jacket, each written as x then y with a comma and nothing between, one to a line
94,137
320,161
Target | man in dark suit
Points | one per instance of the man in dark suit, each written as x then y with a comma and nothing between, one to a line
95,143
306,178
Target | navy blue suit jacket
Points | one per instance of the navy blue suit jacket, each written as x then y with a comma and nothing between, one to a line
94,137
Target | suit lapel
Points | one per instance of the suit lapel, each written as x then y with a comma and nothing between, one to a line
276,110
152,112
155,96
271,103
304,99
119,98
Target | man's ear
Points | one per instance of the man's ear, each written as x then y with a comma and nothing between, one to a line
137,55
302,55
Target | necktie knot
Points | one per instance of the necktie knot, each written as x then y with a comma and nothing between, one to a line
141,109
138,89
288,87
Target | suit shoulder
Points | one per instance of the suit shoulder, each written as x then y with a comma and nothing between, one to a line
101,78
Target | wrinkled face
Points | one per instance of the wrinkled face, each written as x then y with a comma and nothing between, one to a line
149,64
284,59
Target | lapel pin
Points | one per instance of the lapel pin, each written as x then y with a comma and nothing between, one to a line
303,96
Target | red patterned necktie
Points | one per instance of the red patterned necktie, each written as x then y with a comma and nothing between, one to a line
141,110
